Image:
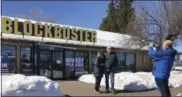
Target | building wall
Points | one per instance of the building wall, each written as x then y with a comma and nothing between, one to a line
139,61
144,62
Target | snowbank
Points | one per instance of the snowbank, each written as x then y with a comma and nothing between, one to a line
178,68
139,81
20,85
179,94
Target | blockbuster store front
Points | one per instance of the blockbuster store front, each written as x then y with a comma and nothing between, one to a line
61,52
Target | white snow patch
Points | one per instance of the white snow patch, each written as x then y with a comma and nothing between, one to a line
178,68
21,85
179,94
138,81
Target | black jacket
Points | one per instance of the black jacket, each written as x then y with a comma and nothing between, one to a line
111,61
99,66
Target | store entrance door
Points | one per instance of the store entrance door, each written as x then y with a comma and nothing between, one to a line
45,64
50,63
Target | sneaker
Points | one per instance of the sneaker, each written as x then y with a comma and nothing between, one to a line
179,94
97,92
113,91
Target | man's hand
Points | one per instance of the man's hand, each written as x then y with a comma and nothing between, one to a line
154,48
154,45
151,44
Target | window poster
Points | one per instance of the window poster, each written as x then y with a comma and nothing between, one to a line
4,62
78,61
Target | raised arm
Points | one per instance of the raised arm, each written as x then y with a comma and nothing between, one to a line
160,53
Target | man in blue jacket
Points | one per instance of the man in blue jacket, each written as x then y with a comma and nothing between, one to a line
164,59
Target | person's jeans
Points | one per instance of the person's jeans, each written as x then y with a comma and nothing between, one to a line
163,87
107,80
97,83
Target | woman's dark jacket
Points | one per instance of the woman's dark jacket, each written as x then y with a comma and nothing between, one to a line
99,66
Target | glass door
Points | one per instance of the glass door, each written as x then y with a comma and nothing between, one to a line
57,63
26,65
45,63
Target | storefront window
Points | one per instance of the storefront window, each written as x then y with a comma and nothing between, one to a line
130,61
26,62
93,58
70,64
70,60
86,61
77,62
121,62
81,62
8,58
79,59
125,61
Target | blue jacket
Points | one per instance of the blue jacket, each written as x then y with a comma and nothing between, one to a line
163,62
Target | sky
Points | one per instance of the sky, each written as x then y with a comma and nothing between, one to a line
87,14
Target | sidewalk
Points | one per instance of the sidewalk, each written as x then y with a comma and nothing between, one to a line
76,88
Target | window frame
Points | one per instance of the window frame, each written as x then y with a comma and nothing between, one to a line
134,67
125,69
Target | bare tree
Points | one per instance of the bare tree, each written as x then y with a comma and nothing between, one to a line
38,15
164,19
51,19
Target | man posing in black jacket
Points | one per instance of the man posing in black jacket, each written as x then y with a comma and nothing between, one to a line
111,64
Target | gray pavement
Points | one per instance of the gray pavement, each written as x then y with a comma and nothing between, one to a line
76,88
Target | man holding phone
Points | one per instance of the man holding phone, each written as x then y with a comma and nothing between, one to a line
164,59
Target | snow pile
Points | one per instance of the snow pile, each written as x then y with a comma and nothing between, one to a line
175,79
179,94
178,68
138,81
20,85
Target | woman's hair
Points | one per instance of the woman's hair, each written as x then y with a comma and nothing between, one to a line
100,53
